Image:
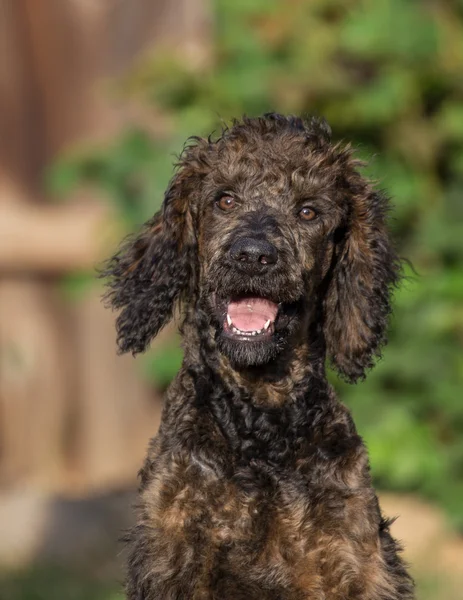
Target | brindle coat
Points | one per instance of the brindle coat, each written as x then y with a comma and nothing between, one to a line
257,485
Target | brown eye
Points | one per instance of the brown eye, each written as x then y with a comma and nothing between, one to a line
226,203
307,214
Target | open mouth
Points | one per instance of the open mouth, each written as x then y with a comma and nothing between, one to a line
250,318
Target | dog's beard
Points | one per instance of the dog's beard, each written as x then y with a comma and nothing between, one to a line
242,354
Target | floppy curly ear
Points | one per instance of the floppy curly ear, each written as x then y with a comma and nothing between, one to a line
365,271
154,268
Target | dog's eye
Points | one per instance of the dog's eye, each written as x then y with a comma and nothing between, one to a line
226,203
307,214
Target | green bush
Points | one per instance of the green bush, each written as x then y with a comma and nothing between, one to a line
57,583
388,76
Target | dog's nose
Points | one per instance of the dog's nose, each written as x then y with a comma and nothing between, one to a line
254,251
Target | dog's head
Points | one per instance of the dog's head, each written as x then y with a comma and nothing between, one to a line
264,231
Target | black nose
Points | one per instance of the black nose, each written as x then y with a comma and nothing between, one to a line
254,251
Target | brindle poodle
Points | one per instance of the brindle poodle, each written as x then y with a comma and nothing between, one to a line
257,485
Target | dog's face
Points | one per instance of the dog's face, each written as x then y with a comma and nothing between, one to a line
265,228
260,231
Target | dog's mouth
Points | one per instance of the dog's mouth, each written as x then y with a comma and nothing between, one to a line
250,318
253,329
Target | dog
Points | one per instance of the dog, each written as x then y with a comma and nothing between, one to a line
275,251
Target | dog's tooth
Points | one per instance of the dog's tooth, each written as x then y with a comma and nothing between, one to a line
235,330
267,325
229,321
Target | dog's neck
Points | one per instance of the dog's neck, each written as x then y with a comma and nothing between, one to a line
272,385
263,412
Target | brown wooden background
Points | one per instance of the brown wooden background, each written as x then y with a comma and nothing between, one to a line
74,417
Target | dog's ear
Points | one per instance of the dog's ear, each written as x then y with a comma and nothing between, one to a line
155,268
365,270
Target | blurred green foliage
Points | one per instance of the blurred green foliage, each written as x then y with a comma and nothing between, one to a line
387,75
56,583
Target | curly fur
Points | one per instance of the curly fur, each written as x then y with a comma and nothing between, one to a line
257,484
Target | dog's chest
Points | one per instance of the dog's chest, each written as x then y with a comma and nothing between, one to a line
278,534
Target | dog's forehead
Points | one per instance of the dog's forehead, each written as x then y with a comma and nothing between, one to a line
272,170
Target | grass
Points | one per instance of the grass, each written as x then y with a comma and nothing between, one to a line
54,583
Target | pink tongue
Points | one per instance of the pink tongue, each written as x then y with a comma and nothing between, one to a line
250,314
